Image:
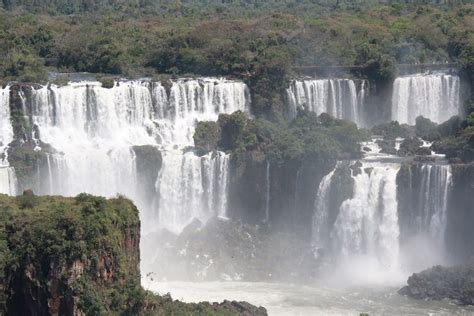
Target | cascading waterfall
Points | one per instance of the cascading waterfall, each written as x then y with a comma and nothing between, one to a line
366,233
7,174
6,131
434,96
367,223
337,97
195,100
320,231
94,129
191,187
435,187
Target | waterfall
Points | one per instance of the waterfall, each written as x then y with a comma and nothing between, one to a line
8,182
191,187
358,240
93,130
320,227
337,97
435,187
6,131
367,223
267,193
434,96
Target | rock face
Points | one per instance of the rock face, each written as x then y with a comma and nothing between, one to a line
64,255
459,232
244,252
80,256
437,283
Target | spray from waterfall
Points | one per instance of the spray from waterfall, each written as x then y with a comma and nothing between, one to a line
94,130
267,193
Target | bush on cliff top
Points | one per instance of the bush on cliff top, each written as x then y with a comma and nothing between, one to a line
308,137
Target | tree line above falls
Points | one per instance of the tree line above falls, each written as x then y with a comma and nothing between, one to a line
258,41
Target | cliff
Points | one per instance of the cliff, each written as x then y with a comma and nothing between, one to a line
80,256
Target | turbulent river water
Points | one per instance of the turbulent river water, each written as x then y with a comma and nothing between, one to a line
297,299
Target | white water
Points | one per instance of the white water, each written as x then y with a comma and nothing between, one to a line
320,229
7,174
191,187
365,234
434,96
337,97
93,129
308,300
6,131
8,181
435,187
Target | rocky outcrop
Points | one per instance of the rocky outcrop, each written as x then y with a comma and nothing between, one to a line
61,253
80,256
437,283
243,252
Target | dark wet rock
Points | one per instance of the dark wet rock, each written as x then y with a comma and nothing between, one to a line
242,308
243,252
424,159
409,147
387,146
455,160
368,170
437,283
366,149
423,151
356,168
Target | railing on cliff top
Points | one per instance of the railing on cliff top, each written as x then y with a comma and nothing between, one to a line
403,68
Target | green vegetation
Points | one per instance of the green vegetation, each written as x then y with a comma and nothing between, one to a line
259,41
454,138
391,130
49,238
308,137
67,254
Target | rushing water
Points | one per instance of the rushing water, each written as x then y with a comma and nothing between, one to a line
320,233
94,131
191,187
8,181
435,186
434,96
308,300
337,97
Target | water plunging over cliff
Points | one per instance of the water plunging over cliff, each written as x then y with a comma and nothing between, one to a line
366,230
7,174
391,218
337,97
191,187
94,131
320,234
435,186
6,131
434,96
424,194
